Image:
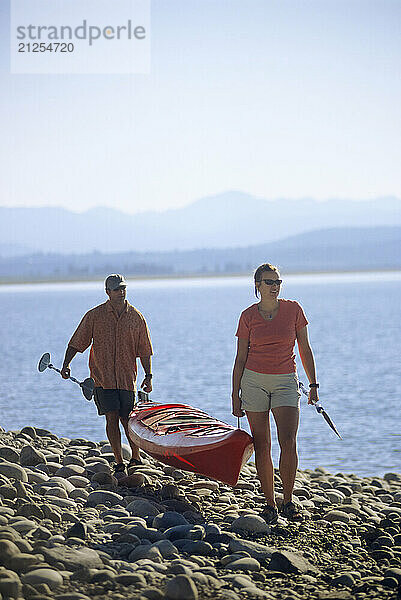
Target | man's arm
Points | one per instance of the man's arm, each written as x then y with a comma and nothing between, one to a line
146,362
69,355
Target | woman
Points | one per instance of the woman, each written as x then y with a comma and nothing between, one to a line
264,379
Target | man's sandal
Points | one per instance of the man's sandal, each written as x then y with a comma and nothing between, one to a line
269,514
119,468
291,511
135,462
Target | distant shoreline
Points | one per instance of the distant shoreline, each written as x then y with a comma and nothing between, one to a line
196,275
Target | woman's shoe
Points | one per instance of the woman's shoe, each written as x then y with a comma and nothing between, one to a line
270,514
291,511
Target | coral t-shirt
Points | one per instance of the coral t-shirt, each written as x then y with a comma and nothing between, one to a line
271,343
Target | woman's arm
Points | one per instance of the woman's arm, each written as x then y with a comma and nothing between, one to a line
308,362
239,365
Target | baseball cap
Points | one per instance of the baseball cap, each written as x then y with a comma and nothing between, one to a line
114,281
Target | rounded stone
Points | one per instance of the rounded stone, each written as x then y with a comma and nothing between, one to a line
23,525
8,491
59,492
70,470
29,431
103,497
337,515
142,508
9,454
57,481
7,551
168,519
14,471
146,551
73,459
10,584
344,579
30,457
170,491
104,478
24,561
244,564
31,510
78,530
78,481
50,577
250,523
181,587
37,477
79,494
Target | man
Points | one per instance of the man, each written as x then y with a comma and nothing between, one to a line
119,335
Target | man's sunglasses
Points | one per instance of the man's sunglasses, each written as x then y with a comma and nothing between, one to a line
272,281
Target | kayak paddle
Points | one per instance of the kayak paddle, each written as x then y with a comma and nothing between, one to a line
320,410
87,385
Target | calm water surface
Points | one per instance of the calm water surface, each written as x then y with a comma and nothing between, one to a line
354,330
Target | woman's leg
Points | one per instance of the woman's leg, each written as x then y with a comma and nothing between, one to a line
260,427
287,420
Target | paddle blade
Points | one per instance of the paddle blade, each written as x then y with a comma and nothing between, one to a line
330,422
44,362
87,386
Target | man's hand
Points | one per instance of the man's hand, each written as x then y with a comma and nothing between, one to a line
313,396
236,406
146,384
65,372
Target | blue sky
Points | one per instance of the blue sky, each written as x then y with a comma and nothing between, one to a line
275,98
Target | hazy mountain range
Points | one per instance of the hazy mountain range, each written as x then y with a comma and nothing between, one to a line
334,249
232,219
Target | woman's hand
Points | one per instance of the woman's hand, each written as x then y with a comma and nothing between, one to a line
313,396
236,406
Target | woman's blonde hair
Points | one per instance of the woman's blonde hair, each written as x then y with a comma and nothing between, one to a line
258,274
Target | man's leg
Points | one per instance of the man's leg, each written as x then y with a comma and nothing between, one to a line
134,449
113,434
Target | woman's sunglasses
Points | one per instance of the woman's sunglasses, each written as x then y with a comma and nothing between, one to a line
272,281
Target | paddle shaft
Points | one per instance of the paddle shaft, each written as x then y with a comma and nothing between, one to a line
320,410
50,366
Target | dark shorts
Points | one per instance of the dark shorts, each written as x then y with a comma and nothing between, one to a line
121,401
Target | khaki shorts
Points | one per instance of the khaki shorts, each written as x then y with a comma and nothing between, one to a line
260,392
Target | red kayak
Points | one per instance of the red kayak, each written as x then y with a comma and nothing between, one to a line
190,439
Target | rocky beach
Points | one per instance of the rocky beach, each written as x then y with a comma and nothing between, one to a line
69,530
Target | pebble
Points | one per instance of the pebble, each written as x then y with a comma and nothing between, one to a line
142,508
49,577
9,454
10,584
30,457
104,497
168,519
67,519
250,523
243,564
181,587
14,471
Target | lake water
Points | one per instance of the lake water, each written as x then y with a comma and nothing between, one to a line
354,330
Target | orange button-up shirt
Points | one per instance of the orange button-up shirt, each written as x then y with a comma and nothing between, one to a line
117,342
